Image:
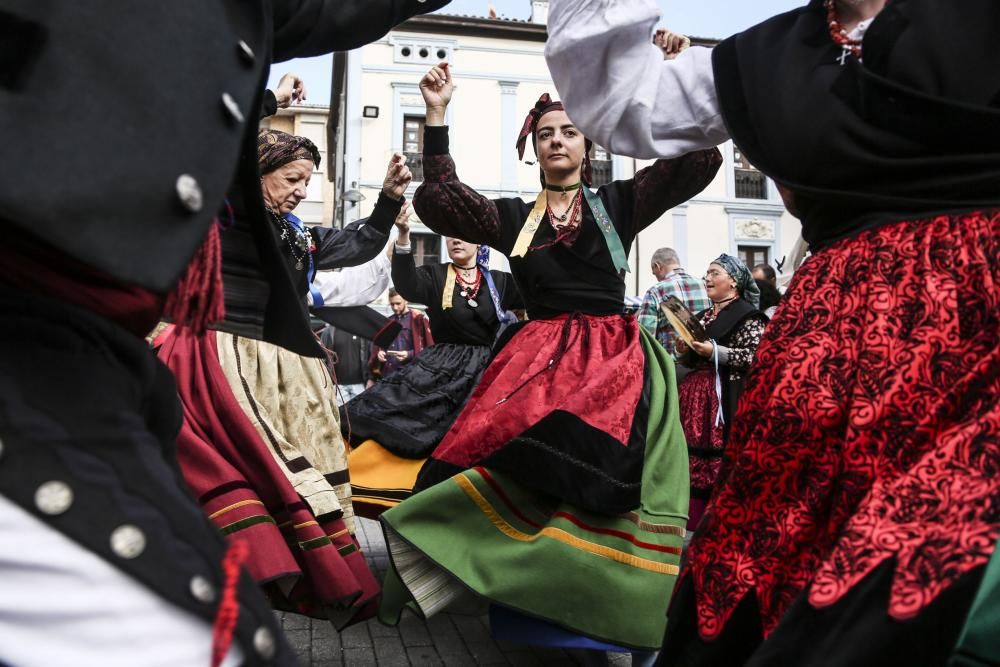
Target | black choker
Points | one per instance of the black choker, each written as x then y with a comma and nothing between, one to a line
563,188
732,298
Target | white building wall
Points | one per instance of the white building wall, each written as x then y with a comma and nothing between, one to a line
497,81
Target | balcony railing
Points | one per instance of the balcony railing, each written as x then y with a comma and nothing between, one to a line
750,184
415,161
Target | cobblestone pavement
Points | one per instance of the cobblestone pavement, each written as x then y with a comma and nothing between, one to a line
450,640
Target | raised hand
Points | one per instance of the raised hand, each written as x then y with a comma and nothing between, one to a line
290,89
397,178
436,88
402,224
671,43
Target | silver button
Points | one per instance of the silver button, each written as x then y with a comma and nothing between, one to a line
263,643
1,449
232,108
128,541
53,497
202,589
245,51
189,192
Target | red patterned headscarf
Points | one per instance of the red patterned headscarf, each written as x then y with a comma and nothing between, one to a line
544,105
276,149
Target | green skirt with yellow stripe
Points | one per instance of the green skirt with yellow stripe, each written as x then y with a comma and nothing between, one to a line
481,538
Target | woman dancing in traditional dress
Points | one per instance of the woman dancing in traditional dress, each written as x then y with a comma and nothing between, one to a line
260,445
399,421
561,491
708,395
860,496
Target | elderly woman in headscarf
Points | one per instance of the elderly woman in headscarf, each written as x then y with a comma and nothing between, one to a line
260,446
709,393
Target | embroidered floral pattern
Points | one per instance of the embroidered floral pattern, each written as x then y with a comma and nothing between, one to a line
744,344
869,430
452,208
699,407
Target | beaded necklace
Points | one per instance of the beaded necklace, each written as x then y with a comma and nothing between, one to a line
299,240
572,212
849,45
469,289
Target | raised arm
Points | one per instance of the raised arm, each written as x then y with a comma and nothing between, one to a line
414,284
356,243
290,89
668,183
360,241
659,187
354,285
617,87
444,203
314,27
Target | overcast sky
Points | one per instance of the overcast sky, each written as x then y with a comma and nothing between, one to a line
699,18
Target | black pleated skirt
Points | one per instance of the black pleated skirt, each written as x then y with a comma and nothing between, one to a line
410,411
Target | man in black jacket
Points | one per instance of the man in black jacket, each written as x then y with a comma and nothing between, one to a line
124,122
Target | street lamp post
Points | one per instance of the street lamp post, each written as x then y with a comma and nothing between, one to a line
349,199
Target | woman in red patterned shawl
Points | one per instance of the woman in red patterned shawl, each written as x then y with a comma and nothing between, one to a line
859,501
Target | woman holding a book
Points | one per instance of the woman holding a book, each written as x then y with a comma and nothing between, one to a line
719,355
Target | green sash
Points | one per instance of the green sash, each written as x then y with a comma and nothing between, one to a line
979,644
611,237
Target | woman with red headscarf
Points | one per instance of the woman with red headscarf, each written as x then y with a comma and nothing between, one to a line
561,490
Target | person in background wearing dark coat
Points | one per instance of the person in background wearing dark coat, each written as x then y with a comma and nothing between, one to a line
105,557
766,273
770,297
412,339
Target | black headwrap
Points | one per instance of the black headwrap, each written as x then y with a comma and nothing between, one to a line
739,272
276,149
912,130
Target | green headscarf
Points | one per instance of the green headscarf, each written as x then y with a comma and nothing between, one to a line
745,284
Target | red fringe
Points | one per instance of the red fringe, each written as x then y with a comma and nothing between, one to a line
198,299
229,607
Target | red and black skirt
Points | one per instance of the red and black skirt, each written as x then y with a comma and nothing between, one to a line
859,499
563,407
